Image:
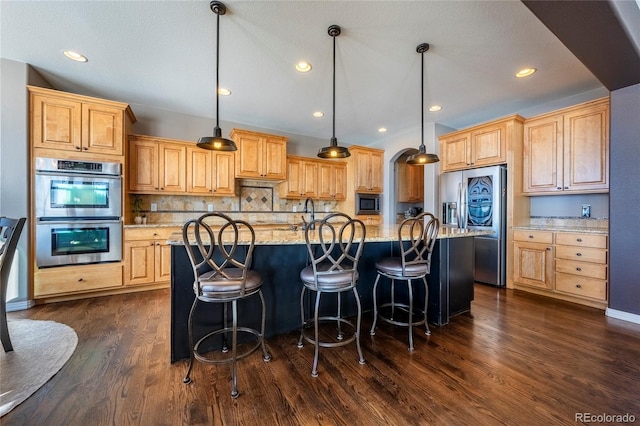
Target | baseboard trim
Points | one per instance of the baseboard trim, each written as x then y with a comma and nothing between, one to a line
21,305
622,315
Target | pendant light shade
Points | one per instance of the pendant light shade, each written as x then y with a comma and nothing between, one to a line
217,142
333,150
422,158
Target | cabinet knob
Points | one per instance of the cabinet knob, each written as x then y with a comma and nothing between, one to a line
578,254
579,240
548,248
161,189
79,279
78,148
578,286
85,148
151,243
559,188
530,236
578,269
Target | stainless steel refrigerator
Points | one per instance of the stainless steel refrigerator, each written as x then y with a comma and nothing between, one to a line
476,199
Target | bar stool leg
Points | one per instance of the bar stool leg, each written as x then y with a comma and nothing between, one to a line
234,348
302,320
314,370
340,334
375,306
393,298
410,290
225,322
426,305
187,379
266,356
358,321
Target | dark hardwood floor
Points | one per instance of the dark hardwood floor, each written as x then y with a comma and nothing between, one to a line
515,359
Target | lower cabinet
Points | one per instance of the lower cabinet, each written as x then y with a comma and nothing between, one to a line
70,280
147,256
371,219
566,265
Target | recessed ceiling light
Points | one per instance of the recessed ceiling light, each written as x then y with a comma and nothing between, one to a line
318,114
382,129
525,72
434,108
224,92
78,57
303,66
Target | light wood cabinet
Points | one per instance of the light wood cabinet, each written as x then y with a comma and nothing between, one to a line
374,220
368,169
479,146
566,265
533,256
260,155
568,150
302,178
80,279
63,121
147,256
156,166
410,183
210,172
332,180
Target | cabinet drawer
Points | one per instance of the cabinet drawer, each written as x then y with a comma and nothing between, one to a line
161,233
71,279
582,240
585,269
581,286
585,254
533,236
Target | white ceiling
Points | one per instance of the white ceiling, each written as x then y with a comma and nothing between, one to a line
162,54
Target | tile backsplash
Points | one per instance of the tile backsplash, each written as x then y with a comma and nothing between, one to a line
256,202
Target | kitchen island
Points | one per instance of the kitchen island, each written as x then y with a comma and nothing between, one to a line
280,254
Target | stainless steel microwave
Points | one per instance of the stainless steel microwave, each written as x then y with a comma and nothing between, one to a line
367,203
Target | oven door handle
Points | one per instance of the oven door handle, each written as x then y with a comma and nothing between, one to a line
78,221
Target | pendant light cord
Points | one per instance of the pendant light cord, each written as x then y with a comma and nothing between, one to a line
334,90
217,68
422,98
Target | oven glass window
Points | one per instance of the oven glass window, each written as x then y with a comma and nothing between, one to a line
79,194
66,241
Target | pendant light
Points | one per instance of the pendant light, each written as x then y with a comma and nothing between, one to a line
333,150
217,142
422,158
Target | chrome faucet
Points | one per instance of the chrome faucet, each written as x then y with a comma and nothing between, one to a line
311,224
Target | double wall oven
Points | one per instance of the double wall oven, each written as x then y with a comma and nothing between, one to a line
78,206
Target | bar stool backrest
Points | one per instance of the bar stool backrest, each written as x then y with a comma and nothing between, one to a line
422,232
224,247
339,241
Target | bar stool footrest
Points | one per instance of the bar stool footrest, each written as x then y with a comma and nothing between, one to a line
224,360
404,313
308,332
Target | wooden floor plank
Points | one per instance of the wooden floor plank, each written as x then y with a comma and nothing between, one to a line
515,359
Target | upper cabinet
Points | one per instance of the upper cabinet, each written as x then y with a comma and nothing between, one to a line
332,180
63,121
156,166
480,146
210,172
368,169
410,183
260,155
311,177
568,150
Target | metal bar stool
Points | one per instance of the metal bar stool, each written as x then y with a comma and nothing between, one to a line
10,230
419,234
221,267
335,247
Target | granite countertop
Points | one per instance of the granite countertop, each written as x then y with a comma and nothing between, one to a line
283,235
556,228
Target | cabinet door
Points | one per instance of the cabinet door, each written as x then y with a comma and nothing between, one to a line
292,187
102,129
362,161
377,170
224,173
340,181
489,146
533,264
586,149
199,171
249,156
456,152
326,181
172,165
274,158
143,166
139,262
162,262
309,179
56,123
543,155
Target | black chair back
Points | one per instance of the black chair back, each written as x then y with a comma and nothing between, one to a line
422,232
